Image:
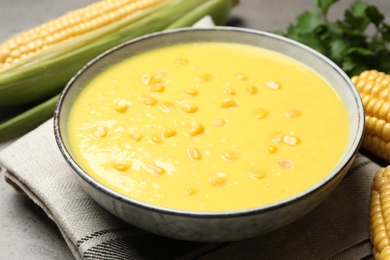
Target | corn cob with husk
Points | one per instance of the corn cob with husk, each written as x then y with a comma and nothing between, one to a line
36,64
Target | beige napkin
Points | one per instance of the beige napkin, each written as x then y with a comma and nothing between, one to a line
337,229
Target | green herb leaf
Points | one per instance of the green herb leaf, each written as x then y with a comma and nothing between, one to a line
385,32
324,5
338,48
346,41
309,21
374,15
358,8
361,52
355,17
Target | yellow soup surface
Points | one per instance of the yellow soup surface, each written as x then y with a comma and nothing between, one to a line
208,127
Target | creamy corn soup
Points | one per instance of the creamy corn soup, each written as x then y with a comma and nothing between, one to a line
208,127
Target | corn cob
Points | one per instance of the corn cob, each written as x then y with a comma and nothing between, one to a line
73,24
34,70
379,214
30,70
374,89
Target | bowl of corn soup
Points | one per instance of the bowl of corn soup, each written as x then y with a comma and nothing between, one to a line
211,134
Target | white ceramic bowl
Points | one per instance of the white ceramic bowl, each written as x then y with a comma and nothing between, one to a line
213,226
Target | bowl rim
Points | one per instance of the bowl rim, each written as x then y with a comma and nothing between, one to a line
344,162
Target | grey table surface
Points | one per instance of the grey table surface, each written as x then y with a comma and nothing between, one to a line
25,231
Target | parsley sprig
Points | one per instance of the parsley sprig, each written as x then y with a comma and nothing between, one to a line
357,42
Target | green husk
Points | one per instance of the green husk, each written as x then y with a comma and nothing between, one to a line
24,122
217,9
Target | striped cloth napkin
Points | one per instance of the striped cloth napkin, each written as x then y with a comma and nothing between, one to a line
337,229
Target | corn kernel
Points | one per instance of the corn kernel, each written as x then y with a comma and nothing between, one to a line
196,129
155,82
157,88
190,192
166,107
261,113
154,169
15,54
292,113
187,107
204,78
277,137
100,132
136,136
121,166
167,133
194,153
156,139
273,85
241,76
146,79
218,179
285,163
229,91
190,92
149,101
218,122
291,140
257,173
159,79
230,155
251,89
227,103
271,149
121,106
